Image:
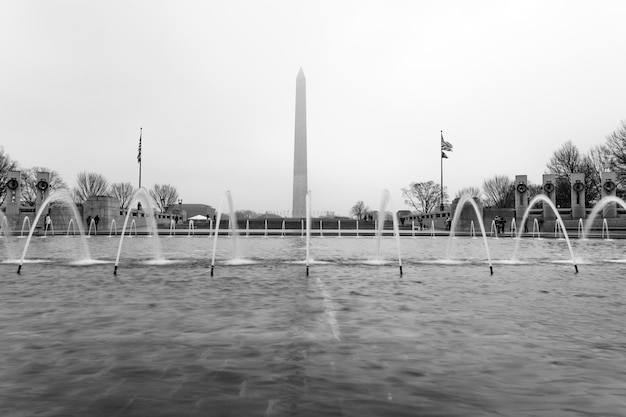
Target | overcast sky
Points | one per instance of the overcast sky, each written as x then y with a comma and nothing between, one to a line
212,83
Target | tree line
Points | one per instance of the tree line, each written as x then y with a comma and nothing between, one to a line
88,184
499,190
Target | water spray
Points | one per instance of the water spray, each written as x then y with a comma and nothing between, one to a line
232,226
139,199
558,224
307,199
465,199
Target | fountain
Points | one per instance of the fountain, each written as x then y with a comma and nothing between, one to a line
558,230
536,229
308,231
559,222
5,235
353,340
580,228
232,221
472,230
48,226
26,220
348,339
605,228
494,230
133,226
463,200
92,227
172,228
141,196
71,227
112,228
514,227
4,226
191,230
385,202
62,196
596,210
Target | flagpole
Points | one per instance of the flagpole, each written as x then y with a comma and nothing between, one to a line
441,171
445,147
139,155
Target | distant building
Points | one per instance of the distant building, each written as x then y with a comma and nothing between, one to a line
195,209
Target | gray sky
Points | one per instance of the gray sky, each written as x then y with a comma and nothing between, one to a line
213,86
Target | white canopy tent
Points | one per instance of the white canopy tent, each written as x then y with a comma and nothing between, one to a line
197,217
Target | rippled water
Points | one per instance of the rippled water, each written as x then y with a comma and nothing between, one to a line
354,338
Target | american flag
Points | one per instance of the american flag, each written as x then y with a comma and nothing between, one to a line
139,151
445,146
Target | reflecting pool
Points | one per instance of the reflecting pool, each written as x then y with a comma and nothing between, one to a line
354,338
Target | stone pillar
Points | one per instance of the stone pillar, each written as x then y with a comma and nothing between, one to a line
549,190
43,188
609,186
14,195
578,195
521,197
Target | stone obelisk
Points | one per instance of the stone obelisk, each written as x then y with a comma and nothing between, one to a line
300,186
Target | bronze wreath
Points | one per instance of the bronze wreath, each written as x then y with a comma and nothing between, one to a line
42,185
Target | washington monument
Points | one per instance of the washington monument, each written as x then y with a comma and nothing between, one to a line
300,186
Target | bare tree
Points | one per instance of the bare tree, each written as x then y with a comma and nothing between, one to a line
29,183
616,149
6,165
423,196
89,184
593,182
600,157
474,192
532,192
359,210
568,160
123,192
247,214
267,214
499,191
565,160
164,196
